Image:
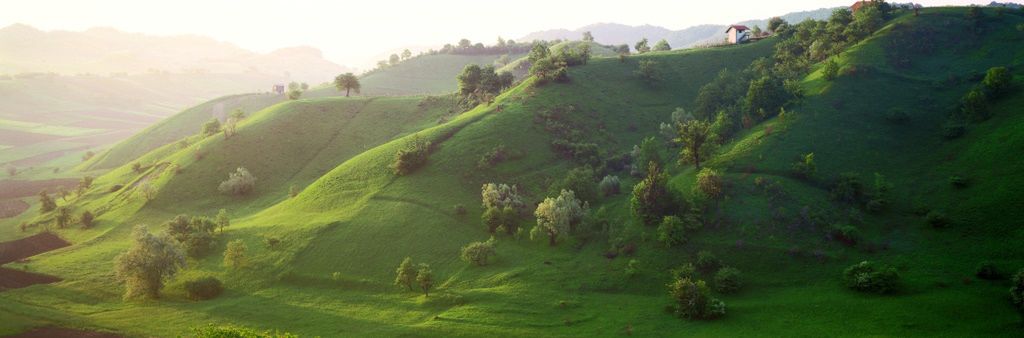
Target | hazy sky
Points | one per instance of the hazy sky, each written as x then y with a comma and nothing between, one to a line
357,33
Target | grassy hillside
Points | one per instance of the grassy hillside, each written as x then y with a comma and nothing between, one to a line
184,124
353,222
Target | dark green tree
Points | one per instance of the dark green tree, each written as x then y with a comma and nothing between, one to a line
347,82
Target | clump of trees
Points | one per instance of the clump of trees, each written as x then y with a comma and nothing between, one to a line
347,82
870,277
581,180
641,46
692,300
553,67
241,182
477,253
481,84
411,157
211,127
559,216
195,234
503,205
150,261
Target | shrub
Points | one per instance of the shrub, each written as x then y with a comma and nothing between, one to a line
649,72
831,70
136,167
868,277
847,188
610,185
683,271
974,105
478,253
46,203
1017,291
709,183
632,268
115,187
203,288
897,116
234,255
63,216
240,182
805,167
997,80
272,243
953,128
582,181
671,231
844,233
293,191
937,219
693,300
87,219
987,270
727,280
958,181
707,262
497,155
413,156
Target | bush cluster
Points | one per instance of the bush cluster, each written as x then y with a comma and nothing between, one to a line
692,300
870,277
411,157
241,182
204,288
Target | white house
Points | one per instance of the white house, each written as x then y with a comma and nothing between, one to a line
737,34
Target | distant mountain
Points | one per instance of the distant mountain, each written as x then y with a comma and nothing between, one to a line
615,34
25,49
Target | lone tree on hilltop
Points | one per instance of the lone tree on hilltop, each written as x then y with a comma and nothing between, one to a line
347,82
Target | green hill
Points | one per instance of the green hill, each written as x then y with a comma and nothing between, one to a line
184,124
354,220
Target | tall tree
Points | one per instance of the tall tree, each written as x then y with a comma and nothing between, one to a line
405,274
587,36
347,82
694,136
148,263
425,278
46,203
406,54
641,46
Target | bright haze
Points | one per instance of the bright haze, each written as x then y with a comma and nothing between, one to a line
358,33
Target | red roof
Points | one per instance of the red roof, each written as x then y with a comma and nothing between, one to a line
739,28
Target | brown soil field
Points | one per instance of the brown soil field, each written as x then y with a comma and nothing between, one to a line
30,246
11,208
21,188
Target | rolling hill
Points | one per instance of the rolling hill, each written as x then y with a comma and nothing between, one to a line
353,220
